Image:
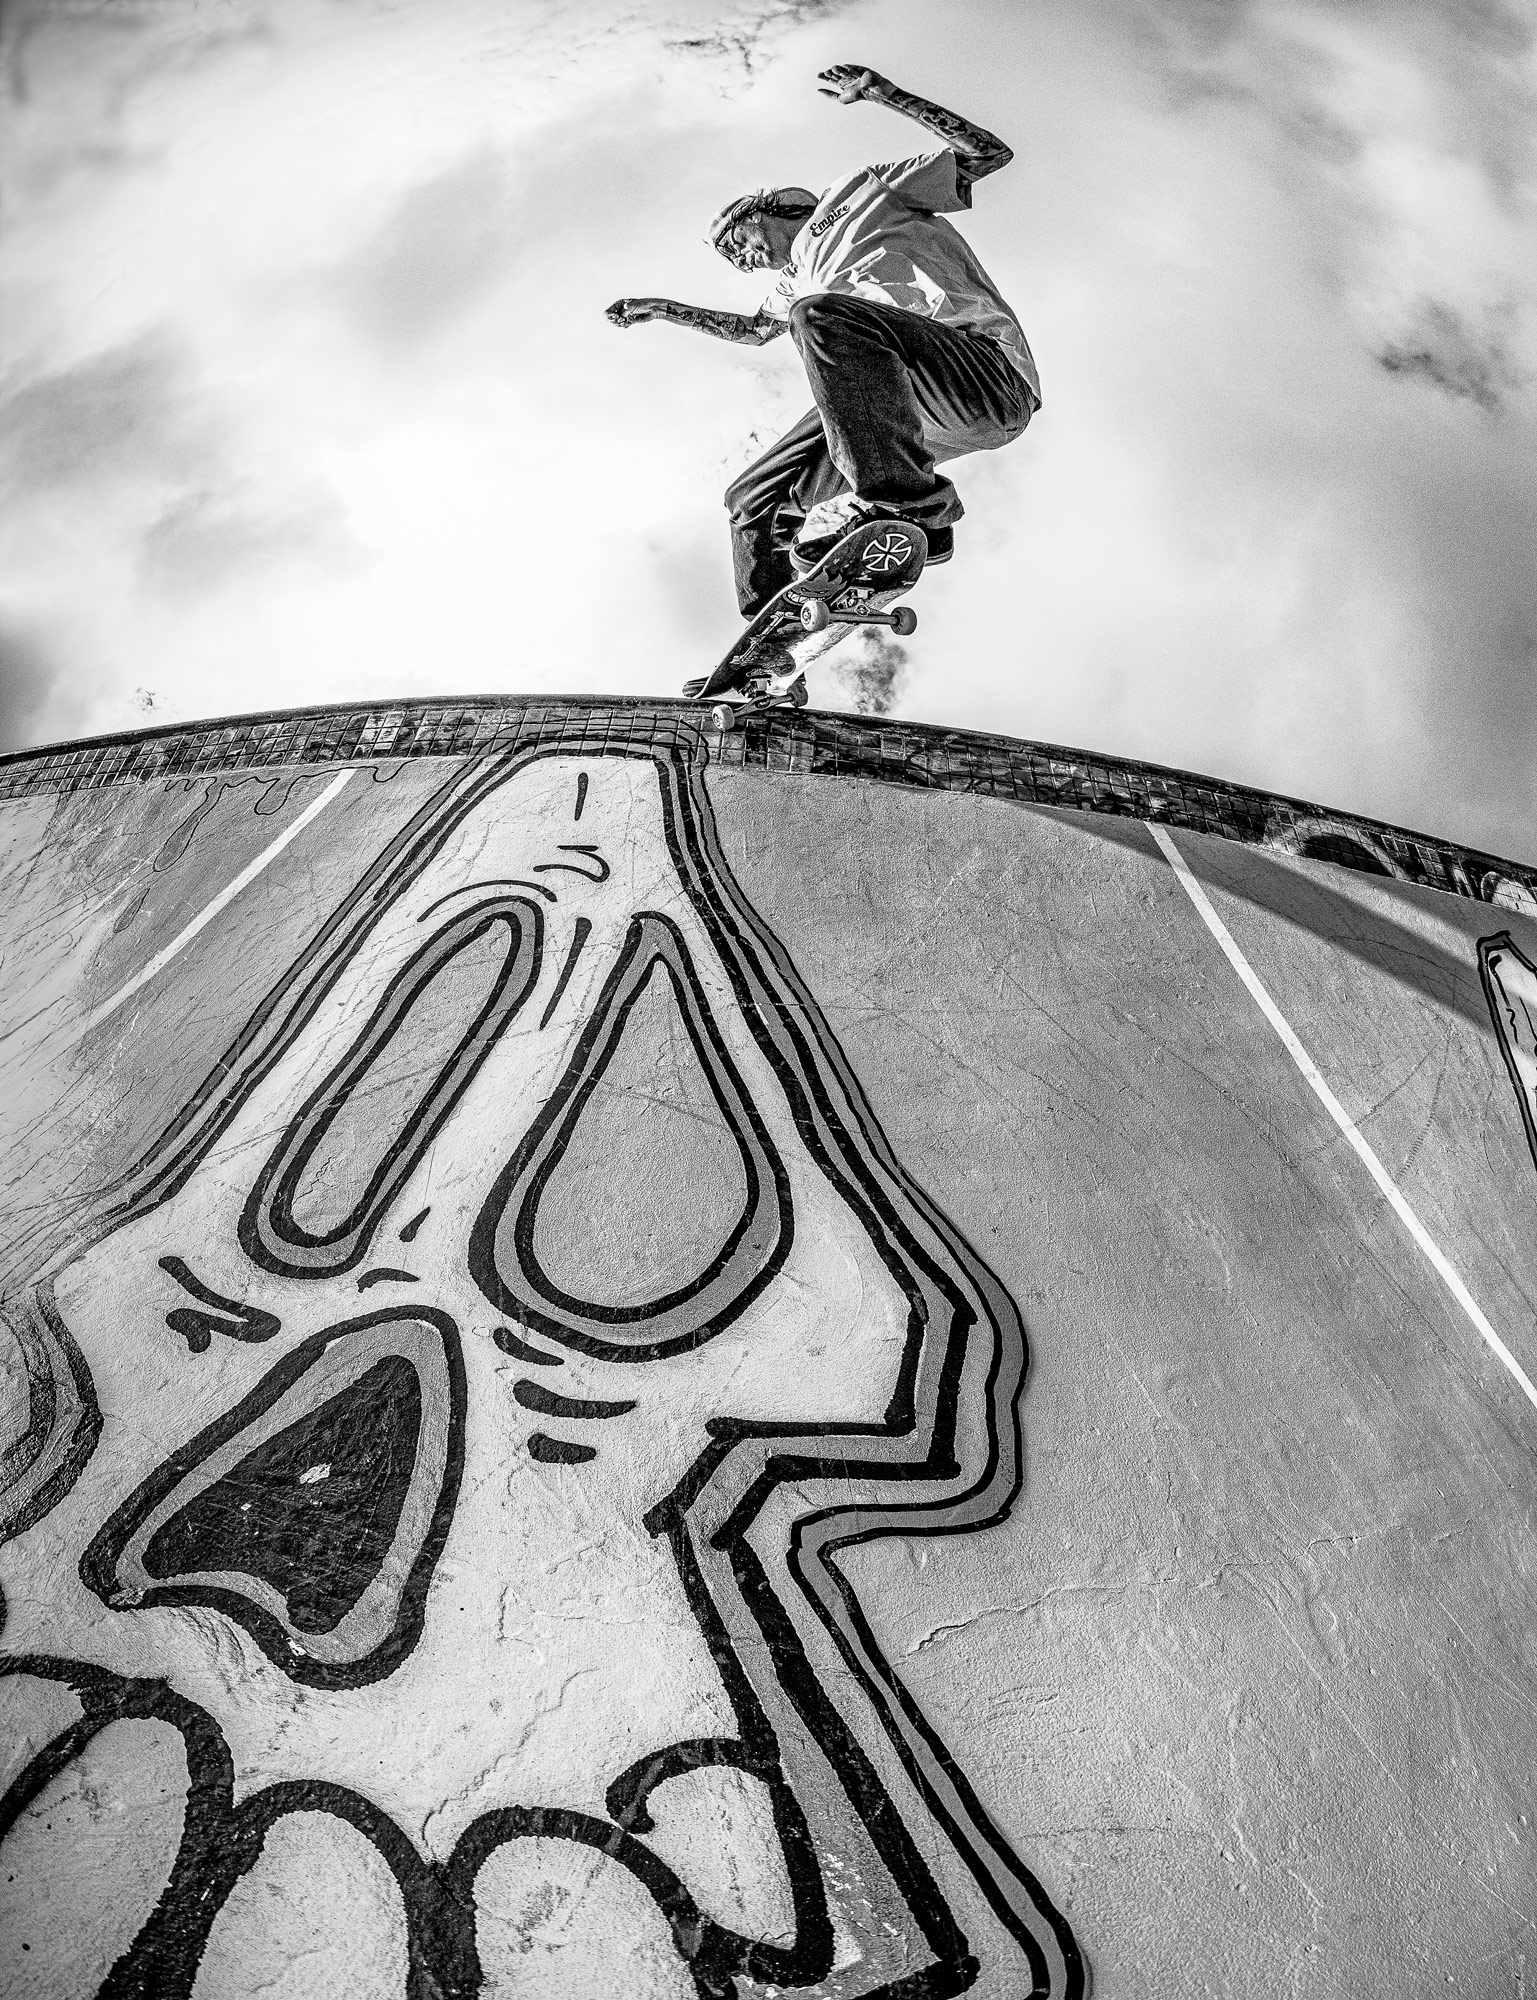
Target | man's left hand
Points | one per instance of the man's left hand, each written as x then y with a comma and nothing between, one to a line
849,83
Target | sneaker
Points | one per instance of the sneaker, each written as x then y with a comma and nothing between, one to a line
831,520
828,522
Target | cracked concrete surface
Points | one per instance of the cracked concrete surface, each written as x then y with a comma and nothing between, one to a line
1248,1673
1262,1634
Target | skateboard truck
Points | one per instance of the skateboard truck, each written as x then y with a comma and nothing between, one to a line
762,692
857,582
817,614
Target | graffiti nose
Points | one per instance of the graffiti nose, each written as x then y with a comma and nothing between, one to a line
314,1511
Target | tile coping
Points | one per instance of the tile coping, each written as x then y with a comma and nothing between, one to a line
801,742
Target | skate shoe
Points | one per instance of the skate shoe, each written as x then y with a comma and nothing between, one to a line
830,520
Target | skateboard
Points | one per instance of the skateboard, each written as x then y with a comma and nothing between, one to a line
857,582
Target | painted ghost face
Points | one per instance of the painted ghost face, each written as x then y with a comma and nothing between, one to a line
470,1392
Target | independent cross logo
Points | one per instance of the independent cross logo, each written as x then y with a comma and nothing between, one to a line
891,551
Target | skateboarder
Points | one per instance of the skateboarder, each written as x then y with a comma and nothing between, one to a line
912,354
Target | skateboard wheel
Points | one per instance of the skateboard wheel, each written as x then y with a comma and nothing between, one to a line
723,715
815,615
904,620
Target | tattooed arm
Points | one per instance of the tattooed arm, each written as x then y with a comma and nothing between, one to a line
751,331
977,151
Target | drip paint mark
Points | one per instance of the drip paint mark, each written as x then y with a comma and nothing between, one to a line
128,917
545,1403
387,1275
227,895
176,843
229,1316
1510,986
555,1451
579,938
520,1350
581,793
570,867
408,1234
1389,1188
277,794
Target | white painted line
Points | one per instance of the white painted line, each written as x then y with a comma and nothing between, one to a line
206,915
1338,1113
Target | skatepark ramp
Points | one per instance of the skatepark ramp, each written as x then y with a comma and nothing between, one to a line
836,1358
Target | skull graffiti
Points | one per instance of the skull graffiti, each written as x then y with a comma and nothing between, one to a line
447,1438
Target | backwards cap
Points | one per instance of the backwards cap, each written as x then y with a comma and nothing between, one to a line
787,201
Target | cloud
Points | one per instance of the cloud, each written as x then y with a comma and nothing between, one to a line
27,677
139,446
129,413
1440,349
1409,134
328,398
209,537
742,39
86,62
446,244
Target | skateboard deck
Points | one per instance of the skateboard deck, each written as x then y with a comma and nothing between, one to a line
856,583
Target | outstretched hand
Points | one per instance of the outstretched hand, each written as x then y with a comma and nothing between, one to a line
849,83
630,312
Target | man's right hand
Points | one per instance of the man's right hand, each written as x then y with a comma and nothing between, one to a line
751,332
630,312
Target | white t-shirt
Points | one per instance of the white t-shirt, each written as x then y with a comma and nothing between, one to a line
879,235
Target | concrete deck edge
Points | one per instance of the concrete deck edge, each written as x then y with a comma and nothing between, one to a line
807,742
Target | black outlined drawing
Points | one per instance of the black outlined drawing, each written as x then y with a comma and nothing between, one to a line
1510,986
359,1456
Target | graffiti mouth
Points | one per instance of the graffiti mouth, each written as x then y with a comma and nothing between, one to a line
313,1513
777,1931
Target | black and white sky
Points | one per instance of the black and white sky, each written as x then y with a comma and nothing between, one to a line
306,392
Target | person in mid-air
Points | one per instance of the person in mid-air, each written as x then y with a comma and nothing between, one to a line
912,354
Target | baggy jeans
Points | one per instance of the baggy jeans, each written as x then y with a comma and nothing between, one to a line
894,393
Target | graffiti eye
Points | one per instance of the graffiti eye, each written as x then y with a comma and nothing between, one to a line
358,1138
646,1207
